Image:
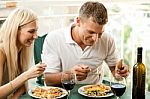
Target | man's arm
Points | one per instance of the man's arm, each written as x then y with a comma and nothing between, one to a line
53,79
112,69
119,70
81,72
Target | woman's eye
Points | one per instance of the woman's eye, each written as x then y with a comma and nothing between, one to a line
32,31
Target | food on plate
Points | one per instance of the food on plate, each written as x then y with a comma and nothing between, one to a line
97,90
48,93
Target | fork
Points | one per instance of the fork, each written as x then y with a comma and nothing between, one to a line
97,71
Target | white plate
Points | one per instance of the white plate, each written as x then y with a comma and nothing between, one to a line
81,91
63,90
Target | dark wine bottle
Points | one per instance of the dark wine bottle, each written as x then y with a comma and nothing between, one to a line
139,76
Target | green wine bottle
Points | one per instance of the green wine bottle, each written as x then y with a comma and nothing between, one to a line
139,75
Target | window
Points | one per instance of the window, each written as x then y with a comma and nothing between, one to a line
129,22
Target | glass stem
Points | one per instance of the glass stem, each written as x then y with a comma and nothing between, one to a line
68,94
118,97
43,78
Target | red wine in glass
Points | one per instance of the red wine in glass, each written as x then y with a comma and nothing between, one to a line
68,81
68,85
118,89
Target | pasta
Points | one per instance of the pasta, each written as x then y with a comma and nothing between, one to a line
97,90
48,93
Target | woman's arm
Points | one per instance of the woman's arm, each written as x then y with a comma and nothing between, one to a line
33,72
9,87
20,91
13,85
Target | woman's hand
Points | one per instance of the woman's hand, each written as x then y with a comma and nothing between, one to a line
35,71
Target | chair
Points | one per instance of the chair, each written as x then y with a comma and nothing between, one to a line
38,45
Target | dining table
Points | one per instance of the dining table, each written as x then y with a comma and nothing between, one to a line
74,94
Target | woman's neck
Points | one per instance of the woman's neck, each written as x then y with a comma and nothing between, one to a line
19,47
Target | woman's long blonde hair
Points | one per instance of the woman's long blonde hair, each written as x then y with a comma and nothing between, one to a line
8,38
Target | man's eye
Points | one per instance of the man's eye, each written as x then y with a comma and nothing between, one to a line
91,32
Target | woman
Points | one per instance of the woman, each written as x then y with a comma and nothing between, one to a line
16,36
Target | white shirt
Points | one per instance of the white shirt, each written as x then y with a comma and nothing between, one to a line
61,52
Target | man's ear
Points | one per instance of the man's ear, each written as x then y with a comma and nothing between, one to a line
78,21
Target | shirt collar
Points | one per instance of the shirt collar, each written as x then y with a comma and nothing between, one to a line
68,36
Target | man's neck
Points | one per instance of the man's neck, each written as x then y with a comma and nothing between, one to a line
76,38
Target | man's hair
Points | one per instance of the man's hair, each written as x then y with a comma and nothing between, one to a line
94,10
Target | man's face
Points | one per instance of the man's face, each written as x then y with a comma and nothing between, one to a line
89,31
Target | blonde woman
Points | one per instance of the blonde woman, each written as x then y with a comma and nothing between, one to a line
16,37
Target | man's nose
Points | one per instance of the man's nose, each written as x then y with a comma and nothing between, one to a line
94,37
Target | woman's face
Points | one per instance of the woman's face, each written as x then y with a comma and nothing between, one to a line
27,34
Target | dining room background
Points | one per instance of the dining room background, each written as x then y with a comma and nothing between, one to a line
129,23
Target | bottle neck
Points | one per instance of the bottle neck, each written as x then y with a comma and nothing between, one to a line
139,58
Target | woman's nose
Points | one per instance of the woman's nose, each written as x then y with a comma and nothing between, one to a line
35,35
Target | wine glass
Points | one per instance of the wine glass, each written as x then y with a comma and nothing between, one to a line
43,79
98,72
43,75
118,87
68,81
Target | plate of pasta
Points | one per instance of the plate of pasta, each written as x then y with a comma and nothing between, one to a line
95,91
47,92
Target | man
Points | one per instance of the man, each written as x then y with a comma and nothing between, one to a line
81,48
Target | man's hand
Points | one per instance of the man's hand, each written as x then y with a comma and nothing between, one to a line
81,71
121,70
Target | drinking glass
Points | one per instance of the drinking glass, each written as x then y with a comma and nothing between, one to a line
43,75
118,87
98,72
43,78
68,81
